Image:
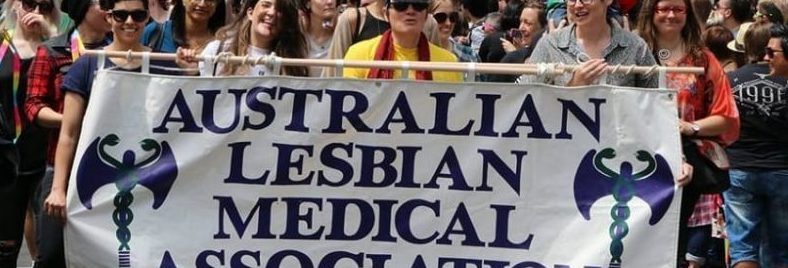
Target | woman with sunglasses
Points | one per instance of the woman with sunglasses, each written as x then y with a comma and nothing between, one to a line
446,15
706,106
127,19
368,21
593,42
262,28
192,24
22,144
319,18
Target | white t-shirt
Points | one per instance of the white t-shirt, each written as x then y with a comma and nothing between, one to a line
211,49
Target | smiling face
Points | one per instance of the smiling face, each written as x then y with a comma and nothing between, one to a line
200,10
588,12
264,18
670,17
445,11
128,19
529,25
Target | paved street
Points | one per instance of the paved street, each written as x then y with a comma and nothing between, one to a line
24,257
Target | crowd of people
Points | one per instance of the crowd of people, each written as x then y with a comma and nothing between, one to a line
739,103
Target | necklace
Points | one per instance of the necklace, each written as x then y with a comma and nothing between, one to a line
663,54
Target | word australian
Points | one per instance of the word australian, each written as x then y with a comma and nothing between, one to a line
260,109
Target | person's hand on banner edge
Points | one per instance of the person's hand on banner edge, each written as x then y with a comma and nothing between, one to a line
685,175
588,72
187,59
55,204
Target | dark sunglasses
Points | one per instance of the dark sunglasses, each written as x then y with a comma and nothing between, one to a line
137,15
401,7
770,52
441,17
43,7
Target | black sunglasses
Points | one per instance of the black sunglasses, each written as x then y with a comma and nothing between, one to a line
441,17
770,52
137,15
43,7
401,7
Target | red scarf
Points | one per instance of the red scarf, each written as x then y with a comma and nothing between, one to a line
385,51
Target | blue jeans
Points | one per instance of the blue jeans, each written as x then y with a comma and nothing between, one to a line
758,198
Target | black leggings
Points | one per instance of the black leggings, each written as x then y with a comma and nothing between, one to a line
14,200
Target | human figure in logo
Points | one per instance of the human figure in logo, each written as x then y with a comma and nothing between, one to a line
22,144
404,42
759,159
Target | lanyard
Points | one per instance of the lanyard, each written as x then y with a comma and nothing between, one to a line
77,47
17,71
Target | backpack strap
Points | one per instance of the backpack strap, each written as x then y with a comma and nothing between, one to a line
357,30
156,38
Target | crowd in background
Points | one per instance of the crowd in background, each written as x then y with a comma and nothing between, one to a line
736,110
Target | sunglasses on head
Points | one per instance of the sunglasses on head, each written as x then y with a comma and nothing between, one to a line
441,17
401,7
770,52
43,7
137,15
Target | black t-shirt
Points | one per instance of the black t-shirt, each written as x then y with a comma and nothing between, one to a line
763,110
32,142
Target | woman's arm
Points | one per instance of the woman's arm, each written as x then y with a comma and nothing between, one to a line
342,39
73,111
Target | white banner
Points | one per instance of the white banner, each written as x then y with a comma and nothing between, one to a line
293,172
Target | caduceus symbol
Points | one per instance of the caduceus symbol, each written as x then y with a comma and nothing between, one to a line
98,168
594,180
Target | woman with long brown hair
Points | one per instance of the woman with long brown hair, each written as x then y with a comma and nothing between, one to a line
706,107
263,27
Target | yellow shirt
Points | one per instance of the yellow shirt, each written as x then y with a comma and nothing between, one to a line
365,50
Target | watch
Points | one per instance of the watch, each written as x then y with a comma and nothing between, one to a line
695,129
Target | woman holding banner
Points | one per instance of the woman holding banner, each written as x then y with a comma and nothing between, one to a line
706,105
594,42
127,19
263,27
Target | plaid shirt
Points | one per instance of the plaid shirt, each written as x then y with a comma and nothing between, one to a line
706,209
46,73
